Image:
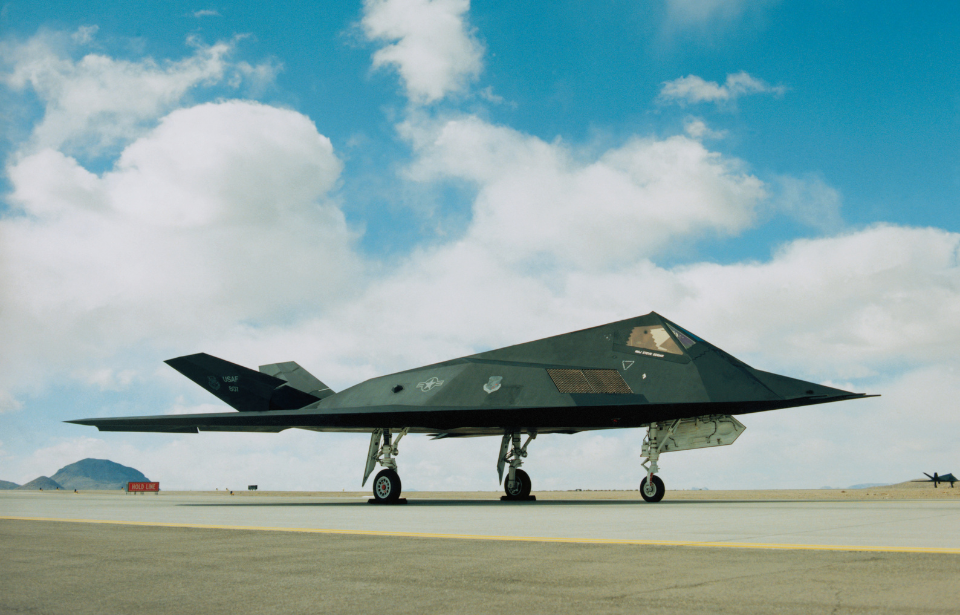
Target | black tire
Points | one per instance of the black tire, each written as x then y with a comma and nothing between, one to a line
521,486
386,486
655,491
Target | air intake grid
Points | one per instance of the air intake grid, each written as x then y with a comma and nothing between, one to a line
589,381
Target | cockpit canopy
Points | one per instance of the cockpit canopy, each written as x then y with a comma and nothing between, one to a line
656,337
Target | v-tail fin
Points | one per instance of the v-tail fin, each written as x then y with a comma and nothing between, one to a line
251,391
298,378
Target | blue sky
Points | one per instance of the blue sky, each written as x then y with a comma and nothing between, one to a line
368,187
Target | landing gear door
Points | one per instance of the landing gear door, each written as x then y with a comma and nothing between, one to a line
697,432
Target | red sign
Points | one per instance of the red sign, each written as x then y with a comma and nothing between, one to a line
135,487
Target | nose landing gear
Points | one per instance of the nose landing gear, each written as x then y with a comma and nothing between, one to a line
651,487
519,488
652,490
683,435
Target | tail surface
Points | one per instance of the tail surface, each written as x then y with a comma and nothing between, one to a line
298,378
279,386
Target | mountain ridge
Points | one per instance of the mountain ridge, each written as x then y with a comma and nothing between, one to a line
41,482
90,473
84,475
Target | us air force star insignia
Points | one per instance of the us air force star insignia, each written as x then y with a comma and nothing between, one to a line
429,384
493,384
212,382
627,364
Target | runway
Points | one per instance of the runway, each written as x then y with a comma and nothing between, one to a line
476,554
853,525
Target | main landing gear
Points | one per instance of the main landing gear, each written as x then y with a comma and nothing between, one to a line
386,486
651,487
517,485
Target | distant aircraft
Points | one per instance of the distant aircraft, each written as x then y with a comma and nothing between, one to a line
936,479
644,372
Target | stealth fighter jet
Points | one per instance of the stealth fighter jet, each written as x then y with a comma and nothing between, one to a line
644,372
936,479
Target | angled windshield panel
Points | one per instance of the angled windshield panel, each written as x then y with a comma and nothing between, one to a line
687,340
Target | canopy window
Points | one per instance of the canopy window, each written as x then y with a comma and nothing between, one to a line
653,337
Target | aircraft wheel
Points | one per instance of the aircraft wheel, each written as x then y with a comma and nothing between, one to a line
386,487
652,491
520,488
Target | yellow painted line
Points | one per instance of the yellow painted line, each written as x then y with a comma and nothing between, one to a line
587,541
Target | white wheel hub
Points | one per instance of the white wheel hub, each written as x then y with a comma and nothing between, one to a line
383,486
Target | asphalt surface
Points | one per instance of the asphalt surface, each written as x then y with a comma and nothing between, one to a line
126,554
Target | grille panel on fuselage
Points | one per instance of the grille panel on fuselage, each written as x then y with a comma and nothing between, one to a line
589,381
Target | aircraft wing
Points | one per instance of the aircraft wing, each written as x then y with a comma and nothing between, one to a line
443,422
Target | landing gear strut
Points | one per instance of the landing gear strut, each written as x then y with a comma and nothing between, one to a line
386,486
651,487
517,485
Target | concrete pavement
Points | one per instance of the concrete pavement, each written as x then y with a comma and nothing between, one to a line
340,555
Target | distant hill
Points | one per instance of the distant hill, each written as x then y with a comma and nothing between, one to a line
89,474
5,484
42,483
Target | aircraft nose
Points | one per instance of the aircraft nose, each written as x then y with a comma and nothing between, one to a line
792,388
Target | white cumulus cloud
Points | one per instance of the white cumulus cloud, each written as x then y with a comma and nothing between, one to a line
96,101
693,89
809,200
218,216
698,129
852,305
428,42
540,202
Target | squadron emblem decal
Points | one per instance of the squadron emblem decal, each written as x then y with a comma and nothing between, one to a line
493,384
212,382
429,384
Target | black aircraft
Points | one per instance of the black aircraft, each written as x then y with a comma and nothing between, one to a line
644,372
937,479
